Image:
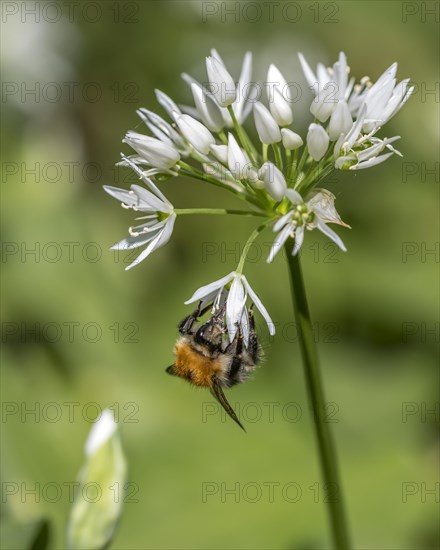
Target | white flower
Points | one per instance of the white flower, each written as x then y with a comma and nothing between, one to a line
291,140
238,162
222,83
155,152
384,99
241,106
274,180
330,85
167,103
221,153
340,121
163,130
355,151
309,215
267,128
317,141
155,232
195,132
208,110
236,312
278,104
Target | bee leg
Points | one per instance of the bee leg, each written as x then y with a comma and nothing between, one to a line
186,326
253,345
235,349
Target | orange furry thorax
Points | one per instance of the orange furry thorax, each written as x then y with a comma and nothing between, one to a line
195,367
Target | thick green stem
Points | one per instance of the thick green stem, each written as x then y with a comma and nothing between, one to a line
327,453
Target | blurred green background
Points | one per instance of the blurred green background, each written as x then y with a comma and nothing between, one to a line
103,337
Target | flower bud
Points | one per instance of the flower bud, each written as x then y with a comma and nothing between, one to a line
279,106
317,141
159,154
291,140
340,121
195,132
273,179
238,162
92,523
267,128
324,103
208,110
280,109
221,153
222,83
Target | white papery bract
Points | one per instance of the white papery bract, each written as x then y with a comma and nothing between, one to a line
235,301
313,214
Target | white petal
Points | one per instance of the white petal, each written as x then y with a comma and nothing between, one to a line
223,85
299,238
281,222
235,304
371,162
291,140
308,73
317,141
330,233
340,121
162,238
211,287
166,102
278,243
147,201
244,326
101,431
256,300
294,197
274,180
195,132
243,89
267,128
148,181
208,110
122,195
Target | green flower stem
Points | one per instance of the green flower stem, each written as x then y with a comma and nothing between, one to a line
301,162
278,157
223,137
251,239
292,168
327,453
265,151
182,211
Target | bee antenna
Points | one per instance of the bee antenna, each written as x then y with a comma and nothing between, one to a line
217,392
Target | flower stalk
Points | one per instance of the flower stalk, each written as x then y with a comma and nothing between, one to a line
315,390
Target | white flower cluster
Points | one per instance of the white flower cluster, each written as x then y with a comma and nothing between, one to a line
278,178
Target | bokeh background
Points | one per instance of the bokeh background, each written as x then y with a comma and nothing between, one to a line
80,334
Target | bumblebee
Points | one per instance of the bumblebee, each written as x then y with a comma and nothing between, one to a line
205,359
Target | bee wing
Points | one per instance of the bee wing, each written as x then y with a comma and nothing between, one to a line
217,392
